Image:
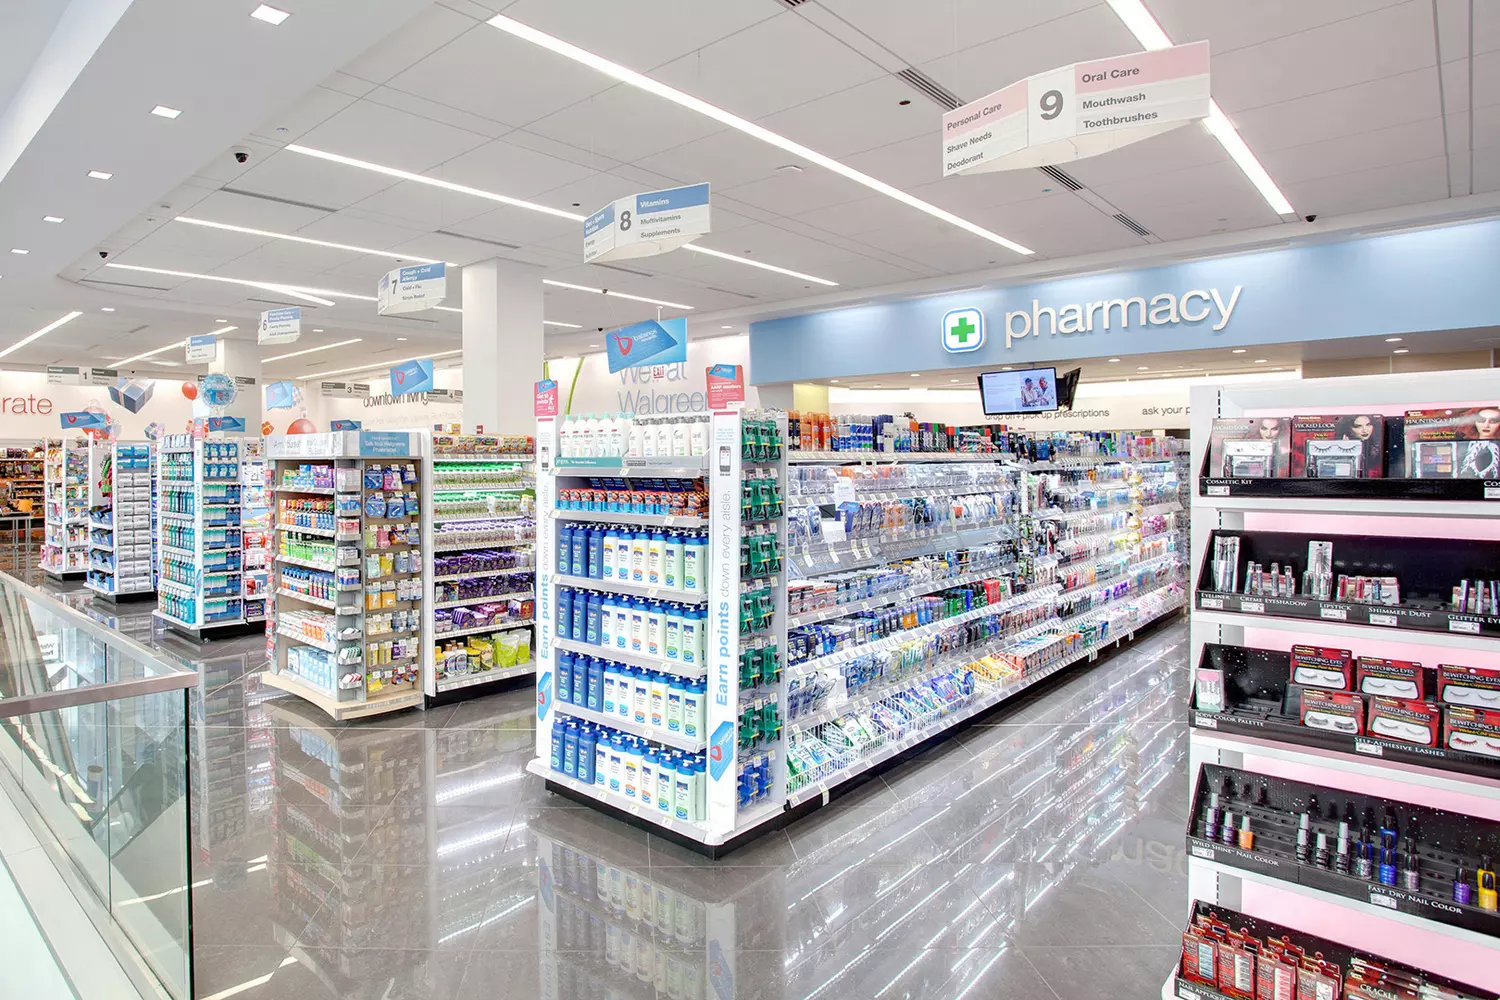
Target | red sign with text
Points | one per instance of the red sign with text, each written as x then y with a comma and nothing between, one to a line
726,384
546,398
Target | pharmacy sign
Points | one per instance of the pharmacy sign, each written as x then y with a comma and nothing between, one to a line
963,330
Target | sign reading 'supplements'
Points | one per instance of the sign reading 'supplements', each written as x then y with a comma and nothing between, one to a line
644,224
1078,111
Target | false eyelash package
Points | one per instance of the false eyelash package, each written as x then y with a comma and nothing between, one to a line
1391,678
1414,722
1322,667
1335,460
1475,687
1333,711
1472,730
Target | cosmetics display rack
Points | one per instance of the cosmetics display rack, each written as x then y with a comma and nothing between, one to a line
200,535
347,580
65,550
480,515
120,521
882,600
23,464
256,541
1319,687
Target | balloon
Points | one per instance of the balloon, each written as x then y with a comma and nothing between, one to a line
302,426
190,390
267,427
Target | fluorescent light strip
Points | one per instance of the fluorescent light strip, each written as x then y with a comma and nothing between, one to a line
1152,38
614,294
304,239
630,76
553,322
312,350
176,343
760,264
297,292
70,317
382,364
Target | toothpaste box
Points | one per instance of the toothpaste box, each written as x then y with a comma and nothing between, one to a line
1333,711
1473,730
1414,722
1476,687
1323,667
1391,678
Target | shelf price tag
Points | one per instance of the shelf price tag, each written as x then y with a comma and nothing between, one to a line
1217,490
1334,614
1377,618
1381,899
1211,602
1199,851
1461,625
1253,607
1366,747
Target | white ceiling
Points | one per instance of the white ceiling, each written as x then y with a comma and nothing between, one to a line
1353,106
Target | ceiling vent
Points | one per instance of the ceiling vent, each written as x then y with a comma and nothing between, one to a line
283,303
725,291
1062,177
124,284
1131,224
280,201
477,239
791,4
626,270
930,88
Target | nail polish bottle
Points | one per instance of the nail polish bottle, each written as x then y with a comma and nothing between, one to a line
1227,831
1302,835
1341,857
1211,819
1364,865
1387,866
1411,875
1463,891
1486,896
1247,837
1320,855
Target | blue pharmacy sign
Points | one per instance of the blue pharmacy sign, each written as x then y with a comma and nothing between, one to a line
654,342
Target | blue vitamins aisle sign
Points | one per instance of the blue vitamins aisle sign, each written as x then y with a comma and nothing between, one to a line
385,444
411,289
963,330
654,342
648,223
411,376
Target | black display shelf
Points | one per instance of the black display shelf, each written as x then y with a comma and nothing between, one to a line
1444,840
1260,701
1428,568
1339,954
1353,489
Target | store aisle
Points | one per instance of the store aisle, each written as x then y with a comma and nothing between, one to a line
413,857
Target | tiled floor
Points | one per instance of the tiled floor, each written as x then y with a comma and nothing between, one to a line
1039,856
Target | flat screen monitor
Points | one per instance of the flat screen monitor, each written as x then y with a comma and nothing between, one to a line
1067,387
1026,390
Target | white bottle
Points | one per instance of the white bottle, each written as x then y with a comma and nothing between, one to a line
622,554
648,438
699,436
565,438
656,554
637,437
671,567
656,630
640,697
617,435
681,440
622,623
663,437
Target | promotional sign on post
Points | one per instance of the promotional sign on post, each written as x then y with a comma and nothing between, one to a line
726,385
202,347
345,425
82,420
645,224
654,342
410,377
280,326
1078,111
411,289
546,398
281,395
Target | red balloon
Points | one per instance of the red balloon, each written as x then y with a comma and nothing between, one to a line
302,426
267,427
190,390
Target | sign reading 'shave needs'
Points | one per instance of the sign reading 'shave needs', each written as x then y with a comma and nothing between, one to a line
1078,111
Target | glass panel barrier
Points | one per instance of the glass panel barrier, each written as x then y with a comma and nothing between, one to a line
94,744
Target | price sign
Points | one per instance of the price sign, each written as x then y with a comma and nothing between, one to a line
1253,607
1379,618
1217,490
1335,614
1381,899
1461,625
1366,747
1211,603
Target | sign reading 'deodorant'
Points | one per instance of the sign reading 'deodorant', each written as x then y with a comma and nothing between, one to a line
280,326
646,224
1078,111
411,289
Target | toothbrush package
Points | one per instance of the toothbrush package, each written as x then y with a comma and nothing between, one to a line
1414,722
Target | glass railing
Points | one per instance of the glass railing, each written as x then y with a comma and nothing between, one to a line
94,753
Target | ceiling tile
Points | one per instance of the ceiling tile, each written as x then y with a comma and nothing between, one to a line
792,192
1365,190
859,118
1393,100
726,159
443,114
903,164
625,123
859,216
1185,184
319,105
419,38
256,213
1234,26
1352,153
390,137
643,33
1233,209
948,27
512,170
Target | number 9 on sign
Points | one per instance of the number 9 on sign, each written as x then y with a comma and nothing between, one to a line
1051,104
1051,113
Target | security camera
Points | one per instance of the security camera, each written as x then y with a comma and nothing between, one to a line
103,253
241,154
1310,218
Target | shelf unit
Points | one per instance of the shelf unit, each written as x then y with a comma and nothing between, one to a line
352,645
255,535
485,584
120,545
65,549
199,512
1391,507
23,466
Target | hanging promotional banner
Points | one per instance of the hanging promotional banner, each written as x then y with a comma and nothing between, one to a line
726,384
281,395
654,342
411,376
102,376
345,425
1078,111
82,420
201,348
546,398
227,425
280,326
411,289
62,375
645,224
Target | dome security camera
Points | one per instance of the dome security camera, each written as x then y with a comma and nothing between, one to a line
241,154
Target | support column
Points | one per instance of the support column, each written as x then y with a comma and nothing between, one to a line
502,345
241,358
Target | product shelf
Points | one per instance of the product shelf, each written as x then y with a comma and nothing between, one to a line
459,681
813,559
895,596
633,728
379,704
667,467
689,670
518,595
318,532
306,563
346,609
507,458
465,545
453,578
633,589
477,629
1344,630
892,457
607,517
1361,507
692,831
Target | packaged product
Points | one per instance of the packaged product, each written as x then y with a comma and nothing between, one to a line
1414,722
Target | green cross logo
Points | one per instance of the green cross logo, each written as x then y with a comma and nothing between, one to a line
963,330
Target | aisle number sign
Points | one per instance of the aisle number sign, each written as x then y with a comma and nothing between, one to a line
202,347
411,289
646,224
280,326
1078,111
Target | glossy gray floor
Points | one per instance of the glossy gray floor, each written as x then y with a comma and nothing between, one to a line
1038,856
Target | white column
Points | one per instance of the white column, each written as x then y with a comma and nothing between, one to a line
241,358
502,345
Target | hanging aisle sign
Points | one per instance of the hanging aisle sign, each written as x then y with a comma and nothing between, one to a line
1078,111
280,326
201,348
411,289
646,224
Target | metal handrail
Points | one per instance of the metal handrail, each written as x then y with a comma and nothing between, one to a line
176,678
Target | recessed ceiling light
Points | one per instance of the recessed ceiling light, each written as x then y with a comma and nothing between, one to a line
1113,360
614,294
41,333
19,251
1401,350
304,239
916,375
556,322
702,107
760,264
176,343
593,345
1143,368
270,15
311,350
167,364
1260,361
833,380
953,380
110,309
221,321
877,385
726,328
400,338
1008,368
52,218
383,364
1393,340
1151,36
100,175
1238,350
316,295
162,111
